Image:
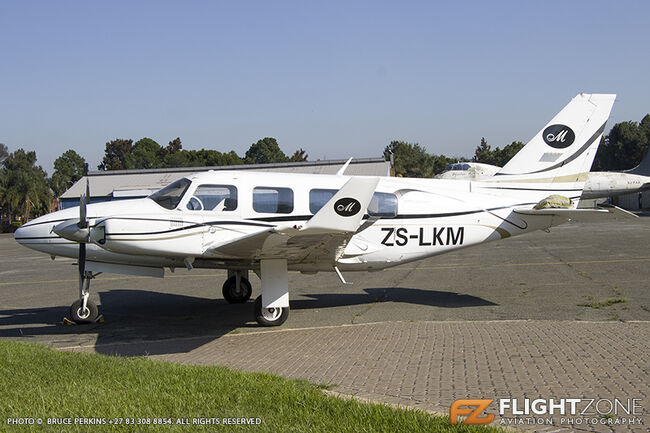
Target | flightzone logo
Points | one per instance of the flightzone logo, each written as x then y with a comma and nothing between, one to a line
541,411
472,409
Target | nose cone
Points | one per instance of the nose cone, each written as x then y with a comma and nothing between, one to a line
37,233
20,233
32,235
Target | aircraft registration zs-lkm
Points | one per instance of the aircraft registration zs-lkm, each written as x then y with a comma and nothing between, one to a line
272,223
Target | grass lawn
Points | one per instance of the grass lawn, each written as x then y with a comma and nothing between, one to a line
38,382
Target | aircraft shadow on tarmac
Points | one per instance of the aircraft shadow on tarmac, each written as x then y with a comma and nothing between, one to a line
142,322
431,298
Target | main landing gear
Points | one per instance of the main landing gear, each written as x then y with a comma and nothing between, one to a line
271,308
237,289
272,316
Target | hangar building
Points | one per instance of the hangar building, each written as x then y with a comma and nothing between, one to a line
126,184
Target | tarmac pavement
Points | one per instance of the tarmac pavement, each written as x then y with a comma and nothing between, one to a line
502,320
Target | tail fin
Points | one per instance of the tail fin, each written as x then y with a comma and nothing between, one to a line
564,149
643,169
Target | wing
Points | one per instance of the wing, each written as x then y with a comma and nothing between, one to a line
323,237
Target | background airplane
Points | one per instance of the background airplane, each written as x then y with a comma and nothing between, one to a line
271,223
600,184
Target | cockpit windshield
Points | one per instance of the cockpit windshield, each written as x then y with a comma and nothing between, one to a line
458,166
171,195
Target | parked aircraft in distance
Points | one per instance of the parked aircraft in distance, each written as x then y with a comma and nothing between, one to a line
600,184
275,222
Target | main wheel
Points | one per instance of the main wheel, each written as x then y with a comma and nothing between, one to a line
79,316
270,316
232,295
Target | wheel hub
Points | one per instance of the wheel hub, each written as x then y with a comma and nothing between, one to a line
271,314
83,313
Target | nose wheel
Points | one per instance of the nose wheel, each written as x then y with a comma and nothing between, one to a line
79,314
83,310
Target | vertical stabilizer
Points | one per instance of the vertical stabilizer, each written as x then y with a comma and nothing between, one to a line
643,169
564,149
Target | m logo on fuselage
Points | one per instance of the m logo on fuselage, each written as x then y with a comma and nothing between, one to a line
559,136
347,206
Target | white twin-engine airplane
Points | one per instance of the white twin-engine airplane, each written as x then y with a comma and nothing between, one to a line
272,223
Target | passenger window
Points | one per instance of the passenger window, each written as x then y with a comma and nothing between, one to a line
214,197
318,198
383,205
267,199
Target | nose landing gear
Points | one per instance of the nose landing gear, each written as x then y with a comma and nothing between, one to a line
83,310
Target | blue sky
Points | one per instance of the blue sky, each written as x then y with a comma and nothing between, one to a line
338,79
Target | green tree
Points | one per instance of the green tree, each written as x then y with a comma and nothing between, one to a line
145,153
644,126
509,150
68,168
624,147
210,157
439,162
174,146
299,156
4,153
499,157
265,151
410,159
484,153
26,192
115,154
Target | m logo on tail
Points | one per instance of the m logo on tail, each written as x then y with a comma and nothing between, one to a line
559,136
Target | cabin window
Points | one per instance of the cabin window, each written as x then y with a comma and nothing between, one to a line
383,205
171,195
214,197
268,199
318,198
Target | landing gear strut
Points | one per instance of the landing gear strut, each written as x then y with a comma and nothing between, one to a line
272,307
83,310
237,289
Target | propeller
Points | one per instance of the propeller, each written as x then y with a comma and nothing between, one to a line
83,227
78,230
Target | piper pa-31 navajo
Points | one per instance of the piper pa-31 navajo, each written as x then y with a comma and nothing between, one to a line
271,223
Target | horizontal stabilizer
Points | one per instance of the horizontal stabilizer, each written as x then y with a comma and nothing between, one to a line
581,215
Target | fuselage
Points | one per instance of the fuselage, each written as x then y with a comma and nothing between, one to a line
408,219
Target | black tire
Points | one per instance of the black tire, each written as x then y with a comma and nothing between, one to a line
272,319
230,291
78,317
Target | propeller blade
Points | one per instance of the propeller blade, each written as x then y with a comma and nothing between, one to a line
83,222
82,259
87,191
